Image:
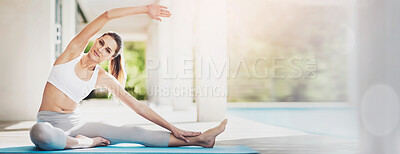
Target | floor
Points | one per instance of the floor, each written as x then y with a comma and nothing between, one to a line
341,122
261,137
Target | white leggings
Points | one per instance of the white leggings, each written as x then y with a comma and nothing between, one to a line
52,128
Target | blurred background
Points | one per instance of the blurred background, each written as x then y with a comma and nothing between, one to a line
287,31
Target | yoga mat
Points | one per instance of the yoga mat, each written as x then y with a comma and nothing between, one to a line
141,149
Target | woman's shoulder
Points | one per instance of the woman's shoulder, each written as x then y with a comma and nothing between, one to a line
71,52
103,74
105,79
65,58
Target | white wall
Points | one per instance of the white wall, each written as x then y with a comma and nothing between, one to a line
26,56
27,53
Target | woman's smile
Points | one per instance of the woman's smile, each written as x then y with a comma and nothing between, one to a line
96,53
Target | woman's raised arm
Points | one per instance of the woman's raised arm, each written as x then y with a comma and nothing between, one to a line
76,46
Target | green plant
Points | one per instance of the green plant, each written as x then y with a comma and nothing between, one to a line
134,56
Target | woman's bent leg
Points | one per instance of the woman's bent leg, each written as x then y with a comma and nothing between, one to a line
47,137
81,141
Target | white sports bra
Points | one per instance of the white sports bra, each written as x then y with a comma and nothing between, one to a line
63,77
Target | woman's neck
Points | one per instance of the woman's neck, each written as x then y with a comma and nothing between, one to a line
87,63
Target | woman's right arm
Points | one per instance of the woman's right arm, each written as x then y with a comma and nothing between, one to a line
78,44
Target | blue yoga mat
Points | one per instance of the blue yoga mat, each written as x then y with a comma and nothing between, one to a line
122,149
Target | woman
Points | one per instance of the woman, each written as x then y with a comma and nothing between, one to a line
75,74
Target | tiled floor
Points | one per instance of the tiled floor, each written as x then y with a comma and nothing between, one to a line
259,136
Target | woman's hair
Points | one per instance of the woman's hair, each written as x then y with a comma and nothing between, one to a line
116,67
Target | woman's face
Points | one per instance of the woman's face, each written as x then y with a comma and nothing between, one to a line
103,49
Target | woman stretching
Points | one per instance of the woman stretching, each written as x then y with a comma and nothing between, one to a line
75,74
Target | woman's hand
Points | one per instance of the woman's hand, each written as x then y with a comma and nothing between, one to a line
155,11
181,134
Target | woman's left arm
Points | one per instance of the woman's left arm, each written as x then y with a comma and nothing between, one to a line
112,84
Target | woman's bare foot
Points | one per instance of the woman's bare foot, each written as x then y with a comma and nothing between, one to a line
94,142
207,139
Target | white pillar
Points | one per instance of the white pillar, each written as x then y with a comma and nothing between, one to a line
152,63
182,53
170,57
377,74
159,61
211,54
195,34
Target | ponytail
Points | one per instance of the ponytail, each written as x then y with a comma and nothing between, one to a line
116,68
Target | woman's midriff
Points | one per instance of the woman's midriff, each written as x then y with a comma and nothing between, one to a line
55,100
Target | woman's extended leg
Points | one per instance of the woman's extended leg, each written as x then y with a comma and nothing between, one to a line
133,134
122,134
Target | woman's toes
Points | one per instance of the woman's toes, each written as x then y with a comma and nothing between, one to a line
105,141
100,141
224,122
104,144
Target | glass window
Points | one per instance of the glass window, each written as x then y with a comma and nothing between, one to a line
282,51
58,23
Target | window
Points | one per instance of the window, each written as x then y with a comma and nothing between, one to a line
58,23
285,51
